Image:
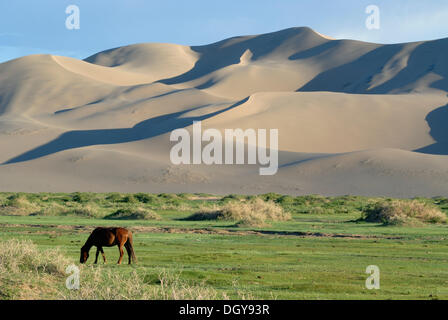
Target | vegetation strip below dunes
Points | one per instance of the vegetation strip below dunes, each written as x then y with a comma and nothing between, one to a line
218,231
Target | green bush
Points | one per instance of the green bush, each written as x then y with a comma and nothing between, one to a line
254,213
82,197
146,198
133,214
129,199
403,212
114,197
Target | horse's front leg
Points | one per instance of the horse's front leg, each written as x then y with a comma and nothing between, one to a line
120,247
102,253
96,255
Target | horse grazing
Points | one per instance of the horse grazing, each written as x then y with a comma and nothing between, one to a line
108,237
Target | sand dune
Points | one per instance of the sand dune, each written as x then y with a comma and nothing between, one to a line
337,122
353,117
155,60
103,74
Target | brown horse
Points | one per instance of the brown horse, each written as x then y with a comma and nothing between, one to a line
108,237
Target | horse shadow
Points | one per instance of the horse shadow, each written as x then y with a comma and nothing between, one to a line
144,130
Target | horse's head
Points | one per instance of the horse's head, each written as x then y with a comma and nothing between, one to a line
84,255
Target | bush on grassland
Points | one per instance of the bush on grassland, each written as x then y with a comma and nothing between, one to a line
52,209
146,198
253,213
83,197
205,214
403,212
88,210
18,204
28,273
133,214
113,197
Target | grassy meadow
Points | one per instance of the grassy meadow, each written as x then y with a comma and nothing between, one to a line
199,246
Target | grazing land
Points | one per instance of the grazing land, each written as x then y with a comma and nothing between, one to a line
198,246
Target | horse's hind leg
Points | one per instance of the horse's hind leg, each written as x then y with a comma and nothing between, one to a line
128,250
120,247
96,255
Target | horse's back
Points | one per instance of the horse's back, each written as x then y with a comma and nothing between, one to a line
110,236
103,236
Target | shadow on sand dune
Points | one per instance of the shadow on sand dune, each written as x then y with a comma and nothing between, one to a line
146,129
357,75
228,52
437,121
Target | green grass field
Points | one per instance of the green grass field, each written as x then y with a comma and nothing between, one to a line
321,253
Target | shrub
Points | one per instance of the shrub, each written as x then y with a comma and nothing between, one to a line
285,200
402,212
129,199
52,209
252,213
145,197
26,272
168,196
271,196
232,197
186,196
113,197
133,214
18,204
85,211
82,197
23,256
207,214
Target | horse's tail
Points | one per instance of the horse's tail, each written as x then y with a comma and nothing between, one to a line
131,248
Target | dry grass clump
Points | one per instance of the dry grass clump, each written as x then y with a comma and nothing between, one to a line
28,273
99,283
173,288
52,209
24,256
18,205
252,213
206,213
133,214
85,210
402,212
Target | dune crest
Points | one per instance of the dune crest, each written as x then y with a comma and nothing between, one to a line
103,74
157,59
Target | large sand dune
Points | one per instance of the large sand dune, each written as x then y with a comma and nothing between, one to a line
353,117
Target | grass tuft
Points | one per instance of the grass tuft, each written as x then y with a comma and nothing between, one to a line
402,212
133,214
252,213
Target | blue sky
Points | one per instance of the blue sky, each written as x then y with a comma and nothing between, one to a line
38,26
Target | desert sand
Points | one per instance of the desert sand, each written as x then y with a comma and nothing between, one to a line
353,117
